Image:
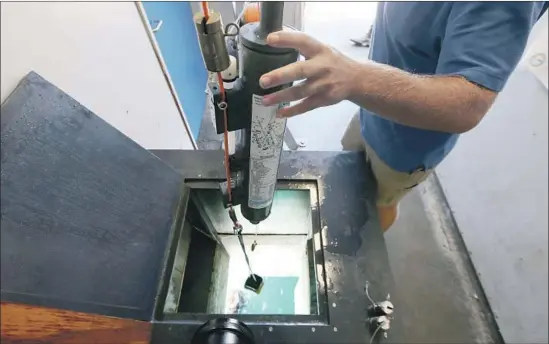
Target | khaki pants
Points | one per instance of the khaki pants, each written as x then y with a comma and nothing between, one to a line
392,185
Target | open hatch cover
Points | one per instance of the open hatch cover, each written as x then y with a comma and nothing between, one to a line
86,212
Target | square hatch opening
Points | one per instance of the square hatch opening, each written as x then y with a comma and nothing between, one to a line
208,267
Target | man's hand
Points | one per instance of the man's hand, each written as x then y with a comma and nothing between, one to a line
328,75
442,103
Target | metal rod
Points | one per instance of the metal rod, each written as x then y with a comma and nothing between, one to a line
271,17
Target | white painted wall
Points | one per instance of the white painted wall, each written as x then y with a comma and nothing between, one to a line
99,53
496,183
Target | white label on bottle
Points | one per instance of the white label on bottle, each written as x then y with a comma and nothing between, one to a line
267,138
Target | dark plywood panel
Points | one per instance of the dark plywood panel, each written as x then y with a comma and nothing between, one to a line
86,212
22,324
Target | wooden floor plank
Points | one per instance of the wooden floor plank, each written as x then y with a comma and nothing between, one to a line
30,324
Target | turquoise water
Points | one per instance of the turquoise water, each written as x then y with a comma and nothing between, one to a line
276,297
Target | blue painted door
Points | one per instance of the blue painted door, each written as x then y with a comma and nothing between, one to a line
181,52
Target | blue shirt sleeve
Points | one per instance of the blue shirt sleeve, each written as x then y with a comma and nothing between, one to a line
484,41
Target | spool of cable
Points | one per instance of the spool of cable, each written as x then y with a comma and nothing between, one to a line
230,74
223,331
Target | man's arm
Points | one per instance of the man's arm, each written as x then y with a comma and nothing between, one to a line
470,75
441,103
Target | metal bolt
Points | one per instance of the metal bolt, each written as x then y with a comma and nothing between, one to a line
335,329
270,329
334,305
302,143
313,329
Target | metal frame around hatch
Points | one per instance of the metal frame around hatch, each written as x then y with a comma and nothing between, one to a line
353,248
316,252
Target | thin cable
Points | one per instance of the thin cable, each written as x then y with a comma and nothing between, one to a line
206,13
202,232
237,227
375,332
225,139
368,294
205,10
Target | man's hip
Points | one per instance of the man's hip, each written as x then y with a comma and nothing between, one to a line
392,185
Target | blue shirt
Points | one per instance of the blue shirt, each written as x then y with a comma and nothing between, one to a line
481,41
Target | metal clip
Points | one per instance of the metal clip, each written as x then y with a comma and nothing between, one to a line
385,307
382,323
222,106
379,308
157,26
379,315
232,214
228,27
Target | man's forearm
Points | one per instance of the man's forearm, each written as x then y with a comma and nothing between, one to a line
441,103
